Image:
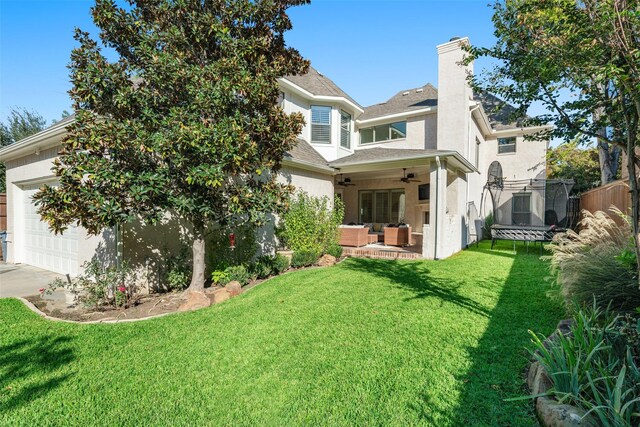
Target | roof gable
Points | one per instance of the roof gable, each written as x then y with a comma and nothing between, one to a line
319,84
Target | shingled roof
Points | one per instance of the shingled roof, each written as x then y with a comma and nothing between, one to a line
377,154
304,152
319,84
499,112
403,101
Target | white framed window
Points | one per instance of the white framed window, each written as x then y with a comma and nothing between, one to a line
382,133
507,145
521,209
345,129
320,124
381,206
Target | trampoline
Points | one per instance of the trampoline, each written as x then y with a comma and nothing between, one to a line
531,210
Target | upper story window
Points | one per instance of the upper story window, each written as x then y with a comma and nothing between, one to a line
382,133
345,129
507,145
320,124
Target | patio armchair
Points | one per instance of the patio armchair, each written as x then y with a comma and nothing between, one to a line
354,235
397,236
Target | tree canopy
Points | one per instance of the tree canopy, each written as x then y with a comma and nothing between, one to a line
185,121
570,161
19,124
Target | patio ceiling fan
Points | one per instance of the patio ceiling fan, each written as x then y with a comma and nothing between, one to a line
344,182
408,177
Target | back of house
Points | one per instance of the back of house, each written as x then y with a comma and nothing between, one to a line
420,159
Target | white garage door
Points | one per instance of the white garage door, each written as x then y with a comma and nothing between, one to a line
42,248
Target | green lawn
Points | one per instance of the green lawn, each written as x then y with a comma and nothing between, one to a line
367,342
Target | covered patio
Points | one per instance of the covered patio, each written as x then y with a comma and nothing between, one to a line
403,202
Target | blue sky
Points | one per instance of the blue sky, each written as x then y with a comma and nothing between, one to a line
370,48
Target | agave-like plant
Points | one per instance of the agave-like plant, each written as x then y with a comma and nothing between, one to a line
586,370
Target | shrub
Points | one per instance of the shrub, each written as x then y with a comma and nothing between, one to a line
304,258
219,277
178,271
310,224
99,286
263,267
598,262
280,264
238,273
596,366
222,256
335,250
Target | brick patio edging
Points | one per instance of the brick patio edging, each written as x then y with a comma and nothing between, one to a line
378,254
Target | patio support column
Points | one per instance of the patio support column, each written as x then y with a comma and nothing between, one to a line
434,233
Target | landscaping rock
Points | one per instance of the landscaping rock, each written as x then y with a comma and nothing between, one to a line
234,288
195,300
220,295
554,414
326,260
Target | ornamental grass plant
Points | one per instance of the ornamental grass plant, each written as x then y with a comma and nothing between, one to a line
597,262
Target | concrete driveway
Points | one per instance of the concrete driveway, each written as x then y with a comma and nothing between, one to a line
20,280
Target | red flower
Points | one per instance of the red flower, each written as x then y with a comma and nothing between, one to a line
122,289
41,290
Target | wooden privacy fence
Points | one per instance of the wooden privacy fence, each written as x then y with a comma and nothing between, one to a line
603,198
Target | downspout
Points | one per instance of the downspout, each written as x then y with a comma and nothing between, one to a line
435,223
469,158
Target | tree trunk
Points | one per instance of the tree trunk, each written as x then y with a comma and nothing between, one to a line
197,277
635,198
607,172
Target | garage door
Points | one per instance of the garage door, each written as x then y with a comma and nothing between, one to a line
42,248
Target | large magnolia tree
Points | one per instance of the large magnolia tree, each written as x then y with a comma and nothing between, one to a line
185,121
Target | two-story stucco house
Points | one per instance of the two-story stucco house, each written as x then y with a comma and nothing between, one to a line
420,158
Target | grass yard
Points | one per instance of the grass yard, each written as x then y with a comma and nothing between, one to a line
367,342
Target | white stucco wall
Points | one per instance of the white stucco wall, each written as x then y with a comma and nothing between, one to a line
314,183
526,163
454,96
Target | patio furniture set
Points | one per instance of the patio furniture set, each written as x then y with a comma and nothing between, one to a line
362,235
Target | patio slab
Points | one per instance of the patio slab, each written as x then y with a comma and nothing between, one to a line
21,280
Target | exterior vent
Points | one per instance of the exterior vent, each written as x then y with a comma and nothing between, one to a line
405,93
419,90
